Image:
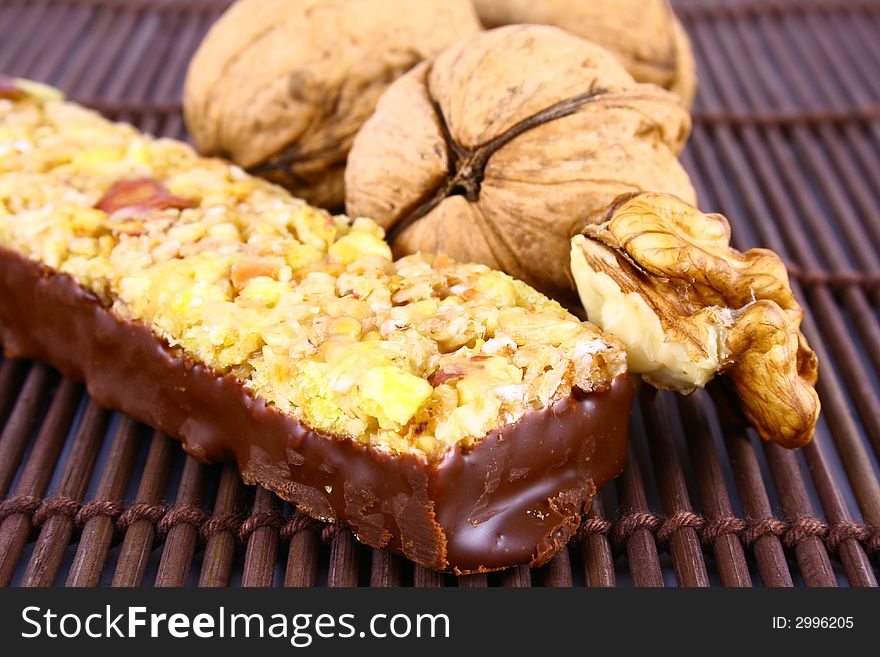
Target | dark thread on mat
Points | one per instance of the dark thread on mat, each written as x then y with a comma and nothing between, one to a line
761,528
790,532
181,515
833,279
784,119
802,528
140,511
18,504
722,526
596,526
56,506
297,523
96,509
678,521
634,522
749,531
330,532
258,520
226,522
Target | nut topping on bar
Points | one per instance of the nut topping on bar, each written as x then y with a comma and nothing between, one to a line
10,90
18,89
309,311
662,276
142,194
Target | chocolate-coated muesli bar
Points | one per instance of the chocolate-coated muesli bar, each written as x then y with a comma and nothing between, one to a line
443,410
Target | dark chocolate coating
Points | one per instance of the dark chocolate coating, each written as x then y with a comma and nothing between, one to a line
514,498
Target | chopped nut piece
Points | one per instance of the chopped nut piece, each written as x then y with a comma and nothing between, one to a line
17,89
9,90
448,373
661,275
345,325
249,267
392,396
140,194
357,245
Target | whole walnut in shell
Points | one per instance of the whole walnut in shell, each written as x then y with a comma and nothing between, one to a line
497,149
644,34
662,276
282,86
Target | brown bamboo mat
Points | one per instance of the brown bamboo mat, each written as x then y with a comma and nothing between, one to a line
786,142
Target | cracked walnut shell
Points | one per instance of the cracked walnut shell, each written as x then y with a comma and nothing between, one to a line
495,150
280,87
644,35
662,276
